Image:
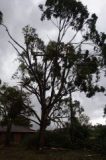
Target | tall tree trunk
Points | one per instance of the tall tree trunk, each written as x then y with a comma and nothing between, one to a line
72,126
42,132
8,134
42,137
72,121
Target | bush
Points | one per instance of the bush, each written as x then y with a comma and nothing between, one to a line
80,136
30,141
101,139
57,138
97,141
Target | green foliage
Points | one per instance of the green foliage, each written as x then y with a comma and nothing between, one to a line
81,134
74,11
98,138
89,137
14,104
22,121
75,15
31,39
52,139
104,54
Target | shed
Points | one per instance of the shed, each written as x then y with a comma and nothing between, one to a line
17,133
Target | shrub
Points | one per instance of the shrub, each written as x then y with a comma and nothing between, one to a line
57,138
30,141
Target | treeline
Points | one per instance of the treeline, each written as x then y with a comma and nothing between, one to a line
91,138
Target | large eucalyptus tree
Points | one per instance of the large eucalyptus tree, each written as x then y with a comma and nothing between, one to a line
53,71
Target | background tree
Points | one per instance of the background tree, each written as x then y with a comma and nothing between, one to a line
1,17
98,133
78,122
54,71
14,104
23,121
105,110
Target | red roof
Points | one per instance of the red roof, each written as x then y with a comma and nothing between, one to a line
16,129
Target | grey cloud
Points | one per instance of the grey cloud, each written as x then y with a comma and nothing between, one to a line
94,6
93,106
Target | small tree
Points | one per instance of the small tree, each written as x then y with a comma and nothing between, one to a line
21,120
77,120
54,71
1,17
13,105
105,110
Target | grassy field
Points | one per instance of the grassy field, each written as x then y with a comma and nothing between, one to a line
18,153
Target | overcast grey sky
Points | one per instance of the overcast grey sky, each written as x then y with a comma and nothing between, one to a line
19,13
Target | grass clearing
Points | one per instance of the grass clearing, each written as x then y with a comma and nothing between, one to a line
18,153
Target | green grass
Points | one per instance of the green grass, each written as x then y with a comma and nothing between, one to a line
18,153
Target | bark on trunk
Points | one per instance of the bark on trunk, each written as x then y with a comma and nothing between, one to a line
72,121
42,132
42,137
72,126
8,134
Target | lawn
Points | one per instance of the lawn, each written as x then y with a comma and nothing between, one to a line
18,153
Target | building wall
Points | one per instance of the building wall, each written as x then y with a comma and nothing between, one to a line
15,137
2,138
